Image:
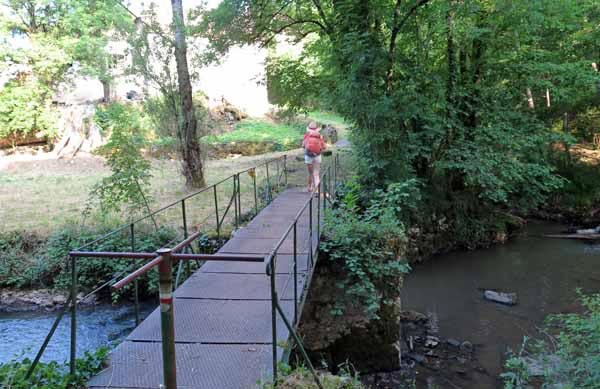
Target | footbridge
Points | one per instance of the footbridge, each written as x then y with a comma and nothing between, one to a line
234,319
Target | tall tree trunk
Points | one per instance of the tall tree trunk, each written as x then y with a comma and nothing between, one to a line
106,90
452,75
192,167
530,99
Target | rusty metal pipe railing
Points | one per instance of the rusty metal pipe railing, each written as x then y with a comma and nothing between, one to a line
79,252
324,189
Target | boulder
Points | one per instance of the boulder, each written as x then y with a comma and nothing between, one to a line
500,297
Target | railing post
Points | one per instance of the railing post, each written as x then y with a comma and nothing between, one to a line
277,173
255,193
321,193
285,177
274,318
336,162
217,212
136,295
310,231
295,274
325,189
235,204
239,199
268,183
167,322
73,315
185,235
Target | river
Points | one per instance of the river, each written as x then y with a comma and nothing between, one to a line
22,333
544,272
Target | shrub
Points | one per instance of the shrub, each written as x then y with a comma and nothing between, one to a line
130,176
29,261
301,377
571,359
23,111
368,251
53,374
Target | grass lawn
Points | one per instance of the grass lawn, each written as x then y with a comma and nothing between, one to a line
41,196
283,136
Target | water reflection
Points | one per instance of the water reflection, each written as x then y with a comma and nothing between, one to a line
543,272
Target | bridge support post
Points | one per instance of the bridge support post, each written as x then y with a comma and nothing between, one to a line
167,321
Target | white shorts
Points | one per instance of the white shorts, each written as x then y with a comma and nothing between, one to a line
310,160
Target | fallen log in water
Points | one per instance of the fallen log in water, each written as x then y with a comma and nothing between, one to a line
574,236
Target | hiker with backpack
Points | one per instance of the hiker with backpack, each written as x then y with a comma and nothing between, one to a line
313,144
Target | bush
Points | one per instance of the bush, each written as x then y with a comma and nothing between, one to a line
23,111
29,261
572,358
301,377
52,375
368,250
130,176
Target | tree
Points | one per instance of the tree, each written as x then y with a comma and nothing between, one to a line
187,125
435,89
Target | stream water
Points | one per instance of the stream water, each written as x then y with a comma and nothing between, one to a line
22,333
544,272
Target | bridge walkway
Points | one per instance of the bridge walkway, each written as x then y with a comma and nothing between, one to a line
223,329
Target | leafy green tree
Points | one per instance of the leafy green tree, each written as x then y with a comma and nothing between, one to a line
130,178
436,90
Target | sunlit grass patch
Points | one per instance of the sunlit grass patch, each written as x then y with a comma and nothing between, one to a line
281,136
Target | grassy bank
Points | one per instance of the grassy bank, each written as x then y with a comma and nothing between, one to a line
51,375
42,196
279,136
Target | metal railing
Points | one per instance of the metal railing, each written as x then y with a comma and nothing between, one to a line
164,258
274,174
324,193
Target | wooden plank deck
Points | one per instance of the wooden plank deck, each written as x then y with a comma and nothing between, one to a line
222,312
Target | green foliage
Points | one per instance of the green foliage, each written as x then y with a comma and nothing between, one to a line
28,261
581,192
301,377
367,250
59,33
400,198
290,83
22,263
92,272
282,136
130,176
22,112
516,375
435,91
52,375
572,358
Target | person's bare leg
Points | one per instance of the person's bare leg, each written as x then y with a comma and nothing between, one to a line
316,174
310,176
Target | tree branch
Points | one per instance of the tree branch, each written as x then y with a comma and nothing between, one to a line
326,26
396,27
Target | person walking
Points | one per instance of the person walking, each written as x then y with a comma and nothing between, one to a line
313,144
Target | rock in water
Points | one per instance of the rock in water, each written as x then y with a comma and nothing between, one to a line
500,297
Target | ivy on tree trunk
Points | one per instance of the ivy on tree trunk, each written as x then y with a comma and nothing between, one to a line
192,168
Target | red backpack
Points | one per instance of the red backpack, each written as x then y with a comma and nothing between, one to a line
314,144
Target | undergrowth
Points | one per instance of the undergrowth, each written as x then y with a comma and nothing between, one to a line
52,375
301,377
367,245
568,354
